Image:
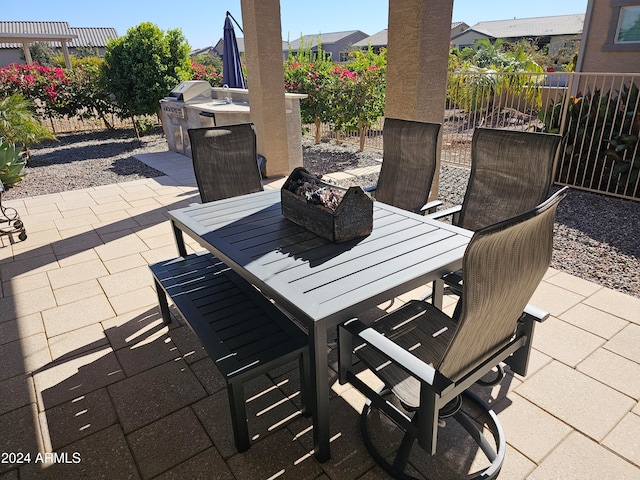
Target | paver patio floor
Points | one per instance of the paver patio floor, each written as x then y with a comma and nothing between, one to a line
89,371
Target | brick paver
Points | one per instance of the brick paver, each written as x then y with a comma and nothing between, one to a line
89,368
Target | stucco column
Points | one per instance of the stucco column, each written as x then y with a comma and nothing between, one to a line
417,58
265,78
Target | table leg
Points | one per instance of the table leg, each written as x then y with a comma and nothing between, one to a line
182,249
438,293
320,384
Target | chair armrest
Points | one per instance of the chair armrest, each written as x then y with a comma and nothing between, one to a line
371,188
446,212
430,207
398,355
538,314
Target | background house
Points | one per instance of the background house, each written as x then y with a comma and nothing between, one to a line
60,36
611,37
334,43
556,31
379,40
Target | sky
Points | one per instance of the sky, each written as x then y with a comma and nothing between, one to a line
202,21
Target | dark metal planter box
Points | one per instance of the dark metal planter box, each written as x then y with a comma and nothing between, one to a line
352,218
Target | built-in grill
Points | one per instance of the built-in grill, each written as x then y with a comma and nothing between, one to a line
175,116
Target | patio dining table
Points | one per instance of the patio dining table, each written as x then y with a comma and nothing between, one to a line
318,282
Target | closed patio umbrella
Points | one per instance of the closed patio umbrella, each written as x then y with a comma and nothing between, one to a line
231,68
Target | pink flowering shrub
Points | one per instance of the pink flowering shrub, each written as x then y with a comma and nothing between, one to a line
356,98
349,97
206,72
307,72
44,85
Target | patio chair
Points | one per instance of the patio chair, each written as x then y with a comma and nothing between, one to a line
225,161
409,163
225,165
428,360
510,173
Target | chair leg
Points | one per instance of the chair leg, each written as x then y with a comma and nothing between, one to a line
238,415
164,305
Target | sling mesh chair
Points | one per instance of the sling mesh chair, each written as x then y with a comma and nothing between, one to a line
225,165
428,360
409,163
225,161
510,173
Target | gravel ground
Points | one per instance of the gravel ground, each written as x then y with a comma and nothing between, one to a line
84,160
596,236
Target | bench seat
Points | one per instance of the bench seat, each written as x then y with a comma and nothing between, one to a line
243,332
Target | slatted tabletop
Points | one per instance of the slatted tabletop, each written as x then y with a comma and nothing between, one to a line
319,282
315,279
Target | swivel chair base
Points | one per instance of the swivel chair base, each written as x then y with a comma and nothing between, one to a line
397,469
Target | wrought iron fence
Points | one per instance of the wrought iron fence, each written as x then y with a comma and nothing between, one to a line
597,114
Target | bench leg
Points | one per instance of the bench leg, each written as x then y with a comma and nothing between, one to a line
164,305
238,415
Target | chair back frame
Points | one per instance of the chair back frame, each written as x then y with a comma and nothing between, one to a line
502,267
511,173
409,163
225,161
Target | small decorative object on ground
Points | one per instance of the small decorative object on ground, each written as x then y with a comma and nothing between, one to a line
10,217
328,210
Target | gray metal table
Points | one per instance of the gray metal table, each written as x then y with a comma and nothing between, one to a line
318,282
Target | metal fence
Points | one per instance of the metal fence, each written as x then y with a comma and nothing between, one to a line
61,125
597,114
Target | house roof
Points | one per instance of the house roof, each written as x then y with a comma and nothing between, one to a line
51,31
380,39
92,36
219,47
376,40
324,38
531,27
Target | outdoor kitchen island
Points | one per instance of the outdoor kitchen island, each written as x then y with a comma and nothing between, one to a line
194,104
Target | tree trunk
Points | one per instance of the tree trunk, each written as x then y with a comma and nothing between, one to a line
318,124
363,136
135,128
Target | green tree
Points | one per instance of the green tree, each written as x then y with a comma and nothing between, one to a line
491,69
143,66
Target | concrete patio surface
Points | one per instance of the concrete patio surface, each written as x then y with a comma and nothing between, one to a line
89,372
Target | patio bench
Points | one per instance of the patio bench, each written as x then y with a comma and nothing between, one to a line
244,333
